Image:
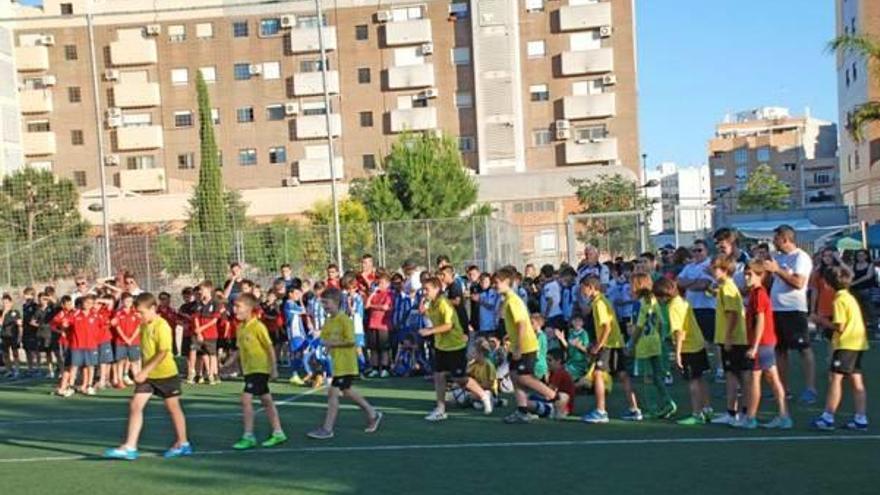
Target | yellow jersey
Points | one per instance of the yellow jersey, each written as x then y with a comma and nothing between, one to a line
340,329
682,320
441,312
253,347
515,312
847,314
484,373
729,300
603,314
156,336
649,322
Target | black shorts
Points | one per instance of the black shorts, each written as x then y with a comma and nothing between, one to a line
525,365
792,330
208,347
452,362
343,383
844,362
735,360
227,344
9,343
694,364
30,342
55,342
165,388
273,336
611,360
186,345
44,341
378,340
706,321
256,384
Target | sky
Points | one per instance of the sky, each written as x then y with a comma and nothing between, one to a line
701,59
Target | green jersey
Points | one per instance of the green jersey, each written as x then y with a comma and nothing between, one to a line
541,369
578,361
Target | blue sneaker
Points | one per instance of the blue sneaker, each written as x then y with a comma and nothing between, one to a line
595,417
857,426
632,415
121,454
184,450
820,424
808,397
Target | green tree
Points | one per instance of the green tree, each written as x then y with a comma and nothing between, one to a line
617,235
356,232
764,191
868,49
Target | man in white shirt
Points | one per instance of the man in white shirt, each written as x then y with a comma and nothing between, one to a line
590,265
791,268
696,282
551,298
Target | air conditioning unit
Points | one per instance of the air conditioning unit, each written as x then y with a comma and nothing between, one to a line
562,124
288,21
111,75
609,80
290,181
583,141
111,160
255,69
383,16
47,40
49,80
114,121
114,112
427,48
605,31
562,134
291,108
428,93
153,29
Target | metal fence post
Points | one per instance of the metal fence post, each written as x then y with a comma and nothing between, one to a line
147,258
8,264
428,244
474,241
192,263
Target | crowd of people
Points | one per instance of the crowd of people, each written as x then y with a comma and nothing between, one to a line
548,336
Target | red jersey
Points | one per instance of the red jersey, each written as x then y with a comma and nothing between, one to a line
168,314
333,282
228,327
126,323
380,319
759,303
86,330
105,314
561,381
205,312
365,282
61,324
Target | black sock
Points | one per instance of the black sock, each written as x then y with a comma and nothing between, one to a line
731,412
523,410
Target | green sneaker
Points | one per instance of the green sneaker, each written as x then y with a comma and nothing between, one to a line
246,443
692,421
669,410
276,439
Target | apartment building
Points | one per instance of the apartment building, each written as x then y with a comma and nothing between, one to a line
11,158
801,151
535,91
859,174
685,192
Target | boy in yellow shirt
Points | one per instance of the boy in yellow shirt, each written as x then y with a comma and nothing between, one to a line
645,341
730,335
849,341
339,340
157,376
258,365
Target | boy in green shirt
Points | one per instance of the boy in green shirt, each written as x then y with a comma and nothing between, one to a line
578,346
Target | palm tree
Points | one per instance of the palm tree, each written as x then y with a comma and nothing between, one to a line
868,49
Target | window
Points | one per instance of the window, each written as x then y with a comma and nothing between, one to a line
790,167
176,33
407,56
587,40
593,87
76,137
38,126
204,30
272,70
313,65
277,155
242,71
855,72
215,116
183,118
361,32
179,77
209,74
245,114
545,241
186,161
240,29
364,75
541,137
466,144
79,178
407,14
742,173
270,27
539,92
313,108
140,162
309,21
70,52
66,9
136,119
534,5
590,132
368,162
458,10
763,154
461,55
822,178
536,49
464,99
741,156
366,119
74,94
247,157
275,112
719,172
419,102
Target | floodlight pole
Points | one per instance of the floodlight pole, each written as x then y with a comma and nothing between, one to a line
99,132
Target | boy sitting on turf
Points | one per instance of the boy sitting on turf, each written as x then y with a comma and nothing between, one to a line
158,376
258,365
481,370
578,345
560,381
339,339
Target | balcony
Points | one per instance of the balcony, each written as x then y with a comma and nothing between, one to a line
604,150
588,106
139,137
136,95
318,169
38,143
31,58
36,100
315,126
411,76
587,62
311,83
305,39
133,51
408,32
413,119
580,17
144,180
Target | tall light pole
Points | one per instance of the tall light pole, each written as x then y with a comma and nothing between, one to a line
643,217
99,132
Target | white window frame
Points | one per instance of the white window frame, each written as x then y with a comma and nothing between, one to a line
536,49
205,30
209,74
271,70
176,79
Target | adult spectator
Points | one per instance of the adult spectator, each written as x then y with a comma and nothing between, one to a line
727,243
287,279
696,282
367,276
81,288
791,268
863,284
590,266
232,287
821,293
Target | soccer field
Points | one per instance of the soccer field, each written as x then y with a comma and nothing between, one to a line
52,445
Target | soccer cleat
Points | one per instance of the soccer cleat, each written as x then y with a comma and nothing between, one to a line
374,424
518,417
779,423
276,439
320,434
122,454
692,420
246,442
214,380
127,381
296,380
436,415
856,425
632,415
808,397
384,374
488,407
723,419
821,423
200,380
184,450
668,411
745,423
91,391
373,373
595,417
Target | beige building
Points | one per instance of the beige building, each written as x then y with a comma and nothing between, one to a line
535,91
801,151
859,173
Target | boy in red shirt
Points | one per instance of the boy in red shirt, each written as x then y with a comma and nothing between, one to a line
378,341
186,314
561,382
61,328
85,334
127,339
106,359
761,334
205,333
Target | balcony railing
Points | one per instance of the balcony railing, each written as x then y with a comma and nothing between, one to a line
413,119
